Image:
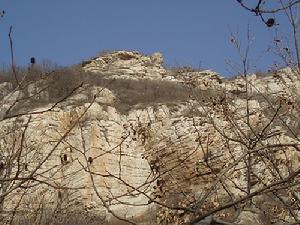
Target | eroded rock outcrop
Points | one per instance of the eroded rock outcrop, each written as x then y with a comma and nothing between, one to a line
166,159
127,65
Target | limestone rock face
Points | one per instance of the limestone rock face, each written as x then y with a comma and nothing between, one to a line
133,65
127,65
5,89
188,143
284,81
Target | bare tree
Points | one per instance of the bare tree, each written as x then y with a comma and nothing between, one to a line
234,161
267,12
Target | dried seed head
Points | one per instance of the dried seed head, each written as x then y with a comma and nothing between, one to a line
270,22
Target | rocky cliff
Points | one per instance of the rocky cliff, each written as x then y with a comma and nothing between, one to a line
125,140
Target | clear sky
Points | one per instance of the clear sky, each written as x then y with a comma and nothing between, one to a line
187,32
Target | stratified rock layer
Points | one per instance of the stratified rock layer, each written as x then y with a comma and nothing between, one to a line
142,164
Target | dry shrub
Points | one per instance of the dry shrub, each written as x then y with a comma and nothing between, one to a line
57,218
130,93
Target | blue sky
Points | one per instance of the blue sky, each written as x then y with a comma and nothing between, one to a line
188,33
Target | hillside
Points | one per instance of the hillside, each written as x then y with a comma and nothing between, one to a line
124,140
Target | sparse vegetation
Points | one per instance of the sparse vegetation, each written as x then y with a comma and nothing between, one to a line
228,152
130,93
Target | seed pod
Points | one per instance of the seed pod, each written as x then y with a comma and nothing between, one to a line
32,60
270,22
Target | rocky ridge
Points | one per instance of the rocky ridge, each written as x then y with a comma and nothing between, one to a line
148,164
